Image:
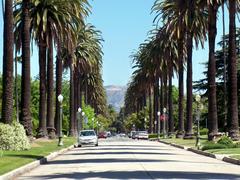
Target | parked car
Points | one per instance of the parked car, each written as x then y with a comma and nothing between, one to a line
135,135
142,135
102,135
87,137
130,135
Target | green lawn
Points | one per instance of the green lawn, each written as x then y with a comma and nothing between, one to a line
232,152
11,160
184,142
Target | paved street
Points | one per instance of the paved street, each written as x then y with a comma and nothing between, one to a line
122,158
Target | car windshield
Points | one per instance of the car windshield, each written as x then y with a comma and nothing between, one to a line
87,133
143,132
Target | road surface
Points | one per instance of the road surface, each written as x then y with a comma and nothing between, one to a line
123,158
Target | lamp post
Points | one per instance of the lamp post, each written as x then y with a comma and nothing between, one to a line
97,127
198,99
60,99
158,131
83,114
145,123
164,122
78,120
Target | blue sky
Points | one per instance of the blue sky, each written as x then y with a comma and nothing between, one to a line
124,25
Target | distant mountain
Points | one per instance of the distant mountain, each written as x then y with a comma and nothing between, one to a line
115,96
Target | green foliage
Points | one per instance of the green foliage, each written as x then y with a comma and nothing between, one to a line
223,143
131,121
89,116
204,131
212,145
13,137
152,136
35,104
104,123
224,140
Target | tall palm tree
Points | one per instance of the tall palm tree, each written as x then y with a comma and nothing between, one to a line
212,102
25,117
171,12
232,74
196,25
7,100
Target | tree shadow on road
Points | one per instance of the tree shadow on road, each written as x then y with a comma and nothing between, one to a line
120,153
108,160
141,175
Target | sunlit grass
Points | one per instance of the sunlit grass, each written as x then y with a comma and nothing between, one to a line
11,160
184,142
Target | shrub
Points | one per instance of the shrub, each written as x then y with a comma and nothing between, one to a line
213,146
237,145
13,137
224,140
20,138
6,137
152,136
204,131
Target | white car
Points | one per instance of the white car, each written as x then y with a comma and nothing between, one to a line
142,135
87,137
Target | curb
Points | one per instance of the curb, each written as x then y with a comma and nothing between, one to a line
215,156
28,167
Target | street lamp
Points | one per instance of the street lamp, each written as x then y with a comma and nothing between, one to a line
60,99
145,123
158,114
83,114
198,99
78,121
164,122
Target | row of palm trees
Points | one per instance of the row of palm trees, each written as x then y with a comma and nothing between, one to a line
54,26
181,26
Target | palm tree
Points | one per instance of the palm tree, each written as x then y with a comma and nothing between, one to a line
25,117
212,103
196,29
7,100
233,123
172,13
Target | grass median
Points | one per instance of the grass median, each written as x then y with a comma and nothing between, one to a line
10,160
191,143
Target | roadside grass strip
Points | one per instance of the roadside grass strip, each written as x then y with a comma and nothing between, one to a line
11,160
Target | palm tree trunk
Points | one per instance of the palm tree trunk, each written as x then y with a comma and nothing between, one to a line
7,93
161,106
180,132
189,124
165,92
59,69
72,99
75,101
224,70
170,102
156,97
25,118
50,91
212,102
16,87
150,109
232,70
42,130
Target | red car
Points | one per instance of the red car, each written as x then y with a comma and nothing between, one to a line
102,135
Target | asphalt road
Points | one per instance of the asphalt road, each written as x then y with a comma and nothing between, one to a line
123,158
